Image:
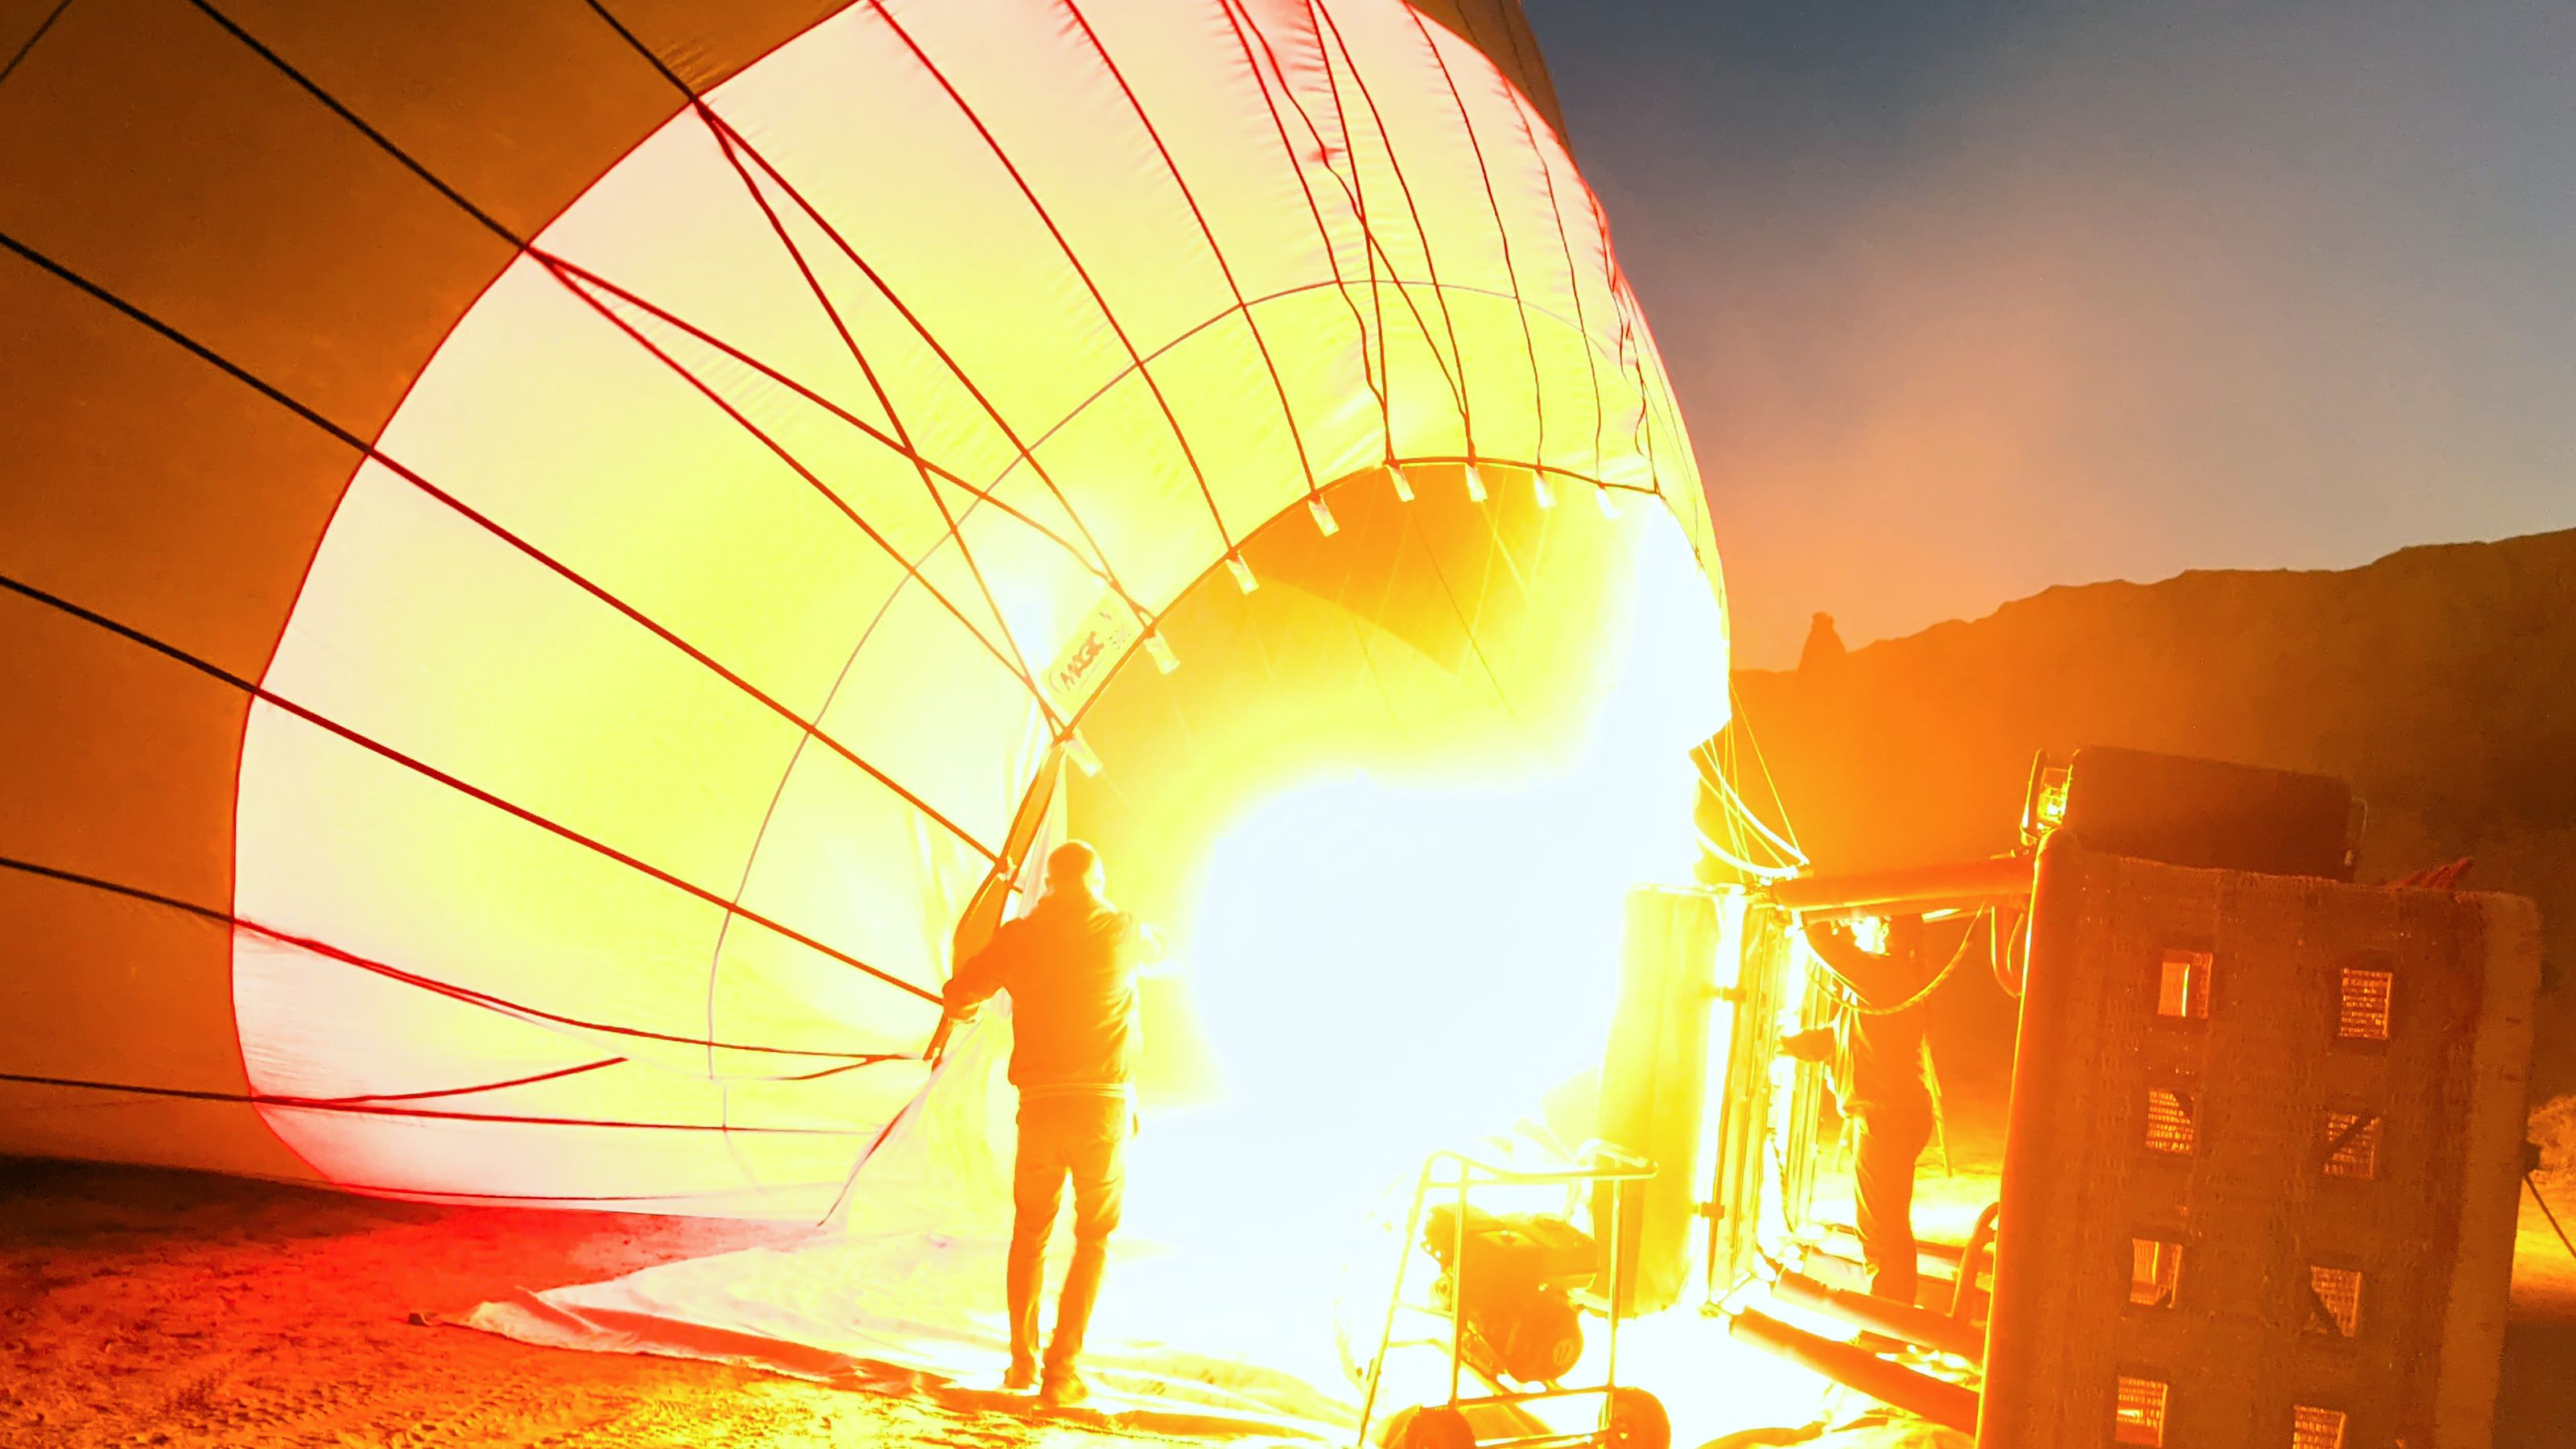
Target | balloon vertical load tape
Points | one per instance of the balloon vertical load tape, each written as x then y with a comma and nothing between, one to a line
1161,650
1403,485
1242,572
1078,750
1325,523
1539,490
1475,485
1608,500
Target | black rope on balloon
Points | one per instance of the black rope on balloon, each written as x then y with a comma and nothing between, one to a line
1373,366
383,142
1392,460
1521,61
1098,563
1354,196
1007,658
1631,356
1573,274
1372,251
734,143
1639,340
491,526
850,1178
1627,359
726,141
885,400
465,995
529,1080
1355,193
1323,234
888,441
1502,230
46,24
431,772
1074,412
1064,244
1395,166
1656,414
353,440
363,1108
360,1099
1172,166
493,1199
506,233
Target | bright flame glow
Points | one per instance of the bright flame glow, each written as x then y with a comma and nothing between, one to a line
1386,966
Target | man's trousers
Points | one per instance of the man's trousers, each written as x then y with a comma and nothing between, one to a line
1081,1137
1891,1141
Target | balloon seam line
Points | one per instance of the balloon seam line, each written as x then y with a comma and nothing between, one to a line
1502,232
465,995
424,768
1063,243
1172,166
1395,165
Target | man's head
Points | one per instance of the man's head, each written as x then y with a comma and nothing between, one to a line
1075,867
1905,937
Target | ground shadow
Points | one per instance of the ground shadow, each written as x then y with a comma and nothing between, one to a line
2536,1400
1167,1423
59,1202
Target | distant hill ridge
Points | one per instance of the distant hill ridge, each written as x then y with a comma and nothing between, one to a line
2441,680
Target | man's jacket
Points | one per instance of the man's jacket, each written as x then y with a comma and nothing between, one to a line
1881,1058
1070,967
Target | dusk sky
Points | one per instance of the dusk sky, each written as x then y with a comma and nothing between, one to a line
1967,299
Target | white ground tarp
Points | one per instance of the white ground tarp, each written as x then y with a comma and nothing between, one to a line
903,1289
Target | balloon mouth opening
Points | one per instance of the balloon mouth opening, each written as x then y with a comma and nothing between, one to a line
1386,970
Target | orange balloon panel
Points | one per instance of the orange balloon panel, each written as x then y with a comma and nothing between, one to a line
672,669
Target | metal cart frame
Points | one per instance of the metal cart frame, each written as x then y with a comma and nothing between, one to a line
1606,1165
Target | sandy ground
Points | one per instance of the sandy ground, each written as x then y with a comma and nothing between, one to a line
141,1307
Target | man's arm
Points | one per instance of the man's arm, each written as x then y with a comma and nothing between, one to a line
985,972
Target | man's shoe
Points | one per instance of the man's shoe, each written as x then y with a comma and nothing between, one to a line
1021,1376
1063,1390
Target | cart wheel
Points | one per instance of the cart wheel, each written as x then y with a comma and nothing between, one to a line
1436,1426
1638,1421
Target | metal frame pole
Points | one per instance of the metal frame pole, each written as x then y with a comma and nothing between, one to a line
1610,1347
1458,1282
1394,1297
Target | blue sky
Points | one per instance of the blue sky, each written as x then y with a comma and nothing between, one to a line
1966,299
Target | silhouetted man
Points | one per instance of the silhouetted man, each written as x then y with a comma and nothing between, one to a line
1877,1052
1070,966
